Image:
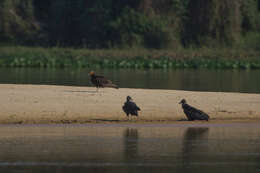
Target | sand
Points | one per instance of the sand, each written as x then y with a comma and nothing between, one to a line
66,104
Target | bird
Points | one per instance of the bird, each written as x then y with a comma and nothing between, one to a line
130,107
101,81
193,113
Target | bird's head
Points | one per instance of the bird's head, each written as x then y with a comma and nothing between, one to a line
183,101
91,73
128,98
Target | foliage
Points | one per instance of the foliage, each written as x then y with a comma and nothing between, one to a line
250,40
17,22
250,15
164,24
65,57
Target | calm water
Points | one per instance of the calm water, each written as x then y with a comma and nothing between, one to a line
130,148
196,80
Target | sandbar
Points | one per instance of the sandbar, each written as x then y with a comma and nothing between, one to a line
40,104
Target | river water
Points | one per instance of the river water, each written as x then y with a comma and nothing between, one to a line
130,148
180,79
133,148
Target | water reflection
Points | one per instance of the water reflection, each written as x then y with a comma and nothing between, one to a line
130,148
195,142
130,144
180,79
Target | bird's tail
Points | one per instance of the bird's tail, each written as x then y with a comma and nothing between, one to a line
111,85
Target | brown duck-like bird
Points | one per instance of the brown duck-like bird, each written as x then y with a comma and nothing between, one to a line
101,81
193,113
130,107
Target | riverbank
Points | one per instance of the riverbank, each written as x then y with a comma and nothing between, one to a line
224,58
65,104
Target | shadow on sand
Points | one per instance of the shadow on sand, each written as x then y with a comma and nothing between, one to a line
108,120
71,91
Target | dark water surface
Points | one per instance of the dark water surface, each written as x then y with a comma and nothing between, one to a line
187,79
130,148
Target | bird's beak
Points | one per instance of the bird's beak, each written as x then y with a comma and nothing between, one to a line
180,102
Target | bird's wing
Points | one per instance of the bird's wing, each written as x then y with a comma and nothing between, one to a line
102,80
198,114
134,106
202,115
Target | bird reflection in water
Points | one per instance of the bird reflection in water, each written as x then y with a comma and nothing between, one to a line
195,142
131,144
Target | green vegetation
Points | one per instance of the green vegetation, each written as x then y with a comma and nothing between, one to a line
158,24
138,58
130,33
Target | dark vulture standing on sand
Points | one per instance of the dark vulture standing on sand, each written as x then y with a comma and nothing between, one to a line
193,113
101,81
130,107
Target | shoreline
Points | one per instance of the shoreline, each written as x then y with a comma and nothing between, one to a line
51,104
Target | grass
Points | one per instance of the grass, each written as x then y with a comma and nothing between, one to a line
132,58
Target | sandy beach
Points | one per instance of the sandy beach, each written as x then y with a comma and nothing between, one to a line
66,104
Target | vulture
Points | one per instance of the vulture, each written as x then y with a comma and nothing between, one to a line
130,107
193,113
101,81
